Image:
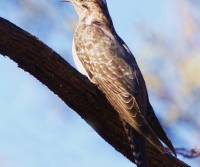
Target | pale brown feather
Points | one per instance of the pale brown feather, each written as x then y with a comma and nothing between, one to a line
112,73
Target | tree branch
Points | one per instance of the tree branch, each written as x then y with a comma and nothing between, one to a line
73,88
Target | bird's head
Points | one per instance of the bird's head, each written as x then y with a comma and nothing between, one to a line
87,7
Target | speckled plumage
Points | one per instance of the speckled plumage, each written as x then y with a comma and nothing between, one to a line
109,64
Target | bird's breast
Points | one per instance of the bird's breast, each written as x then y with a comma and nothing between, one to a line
77,62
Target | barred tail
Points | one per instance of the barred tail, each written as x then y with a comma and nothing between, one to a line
137,146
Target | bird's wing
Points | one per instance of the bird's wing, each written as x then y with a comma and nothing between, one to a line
115,77
149,112
155,124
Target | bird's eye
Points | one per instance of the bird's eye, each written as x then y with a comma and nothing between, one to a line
85,6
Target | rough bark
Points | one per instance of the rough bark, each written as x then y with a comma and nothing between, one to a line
74,89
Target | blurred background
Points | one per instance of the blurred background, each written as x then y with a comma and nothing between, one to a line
37,129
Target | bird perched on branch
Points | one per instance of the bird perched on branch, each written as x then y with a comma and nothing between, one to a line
101,55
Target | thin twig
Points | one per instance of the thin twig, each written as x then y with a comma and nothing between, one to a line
188,153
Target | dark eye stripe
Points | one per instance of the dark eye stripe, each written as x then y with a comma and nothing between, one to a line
84,6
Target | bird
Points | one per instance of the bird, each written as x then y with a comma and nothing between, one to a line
104,58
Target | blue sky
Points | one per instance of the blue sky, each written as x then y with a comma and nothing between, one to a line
36,128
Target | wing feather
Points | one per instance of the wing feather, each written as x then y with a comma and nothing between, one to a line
116,77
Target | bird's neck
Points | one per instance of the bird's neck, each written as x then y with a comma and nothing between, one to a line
97,14
97,18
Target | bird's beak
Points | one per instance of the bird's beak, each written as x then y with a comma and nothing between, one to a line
66,1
